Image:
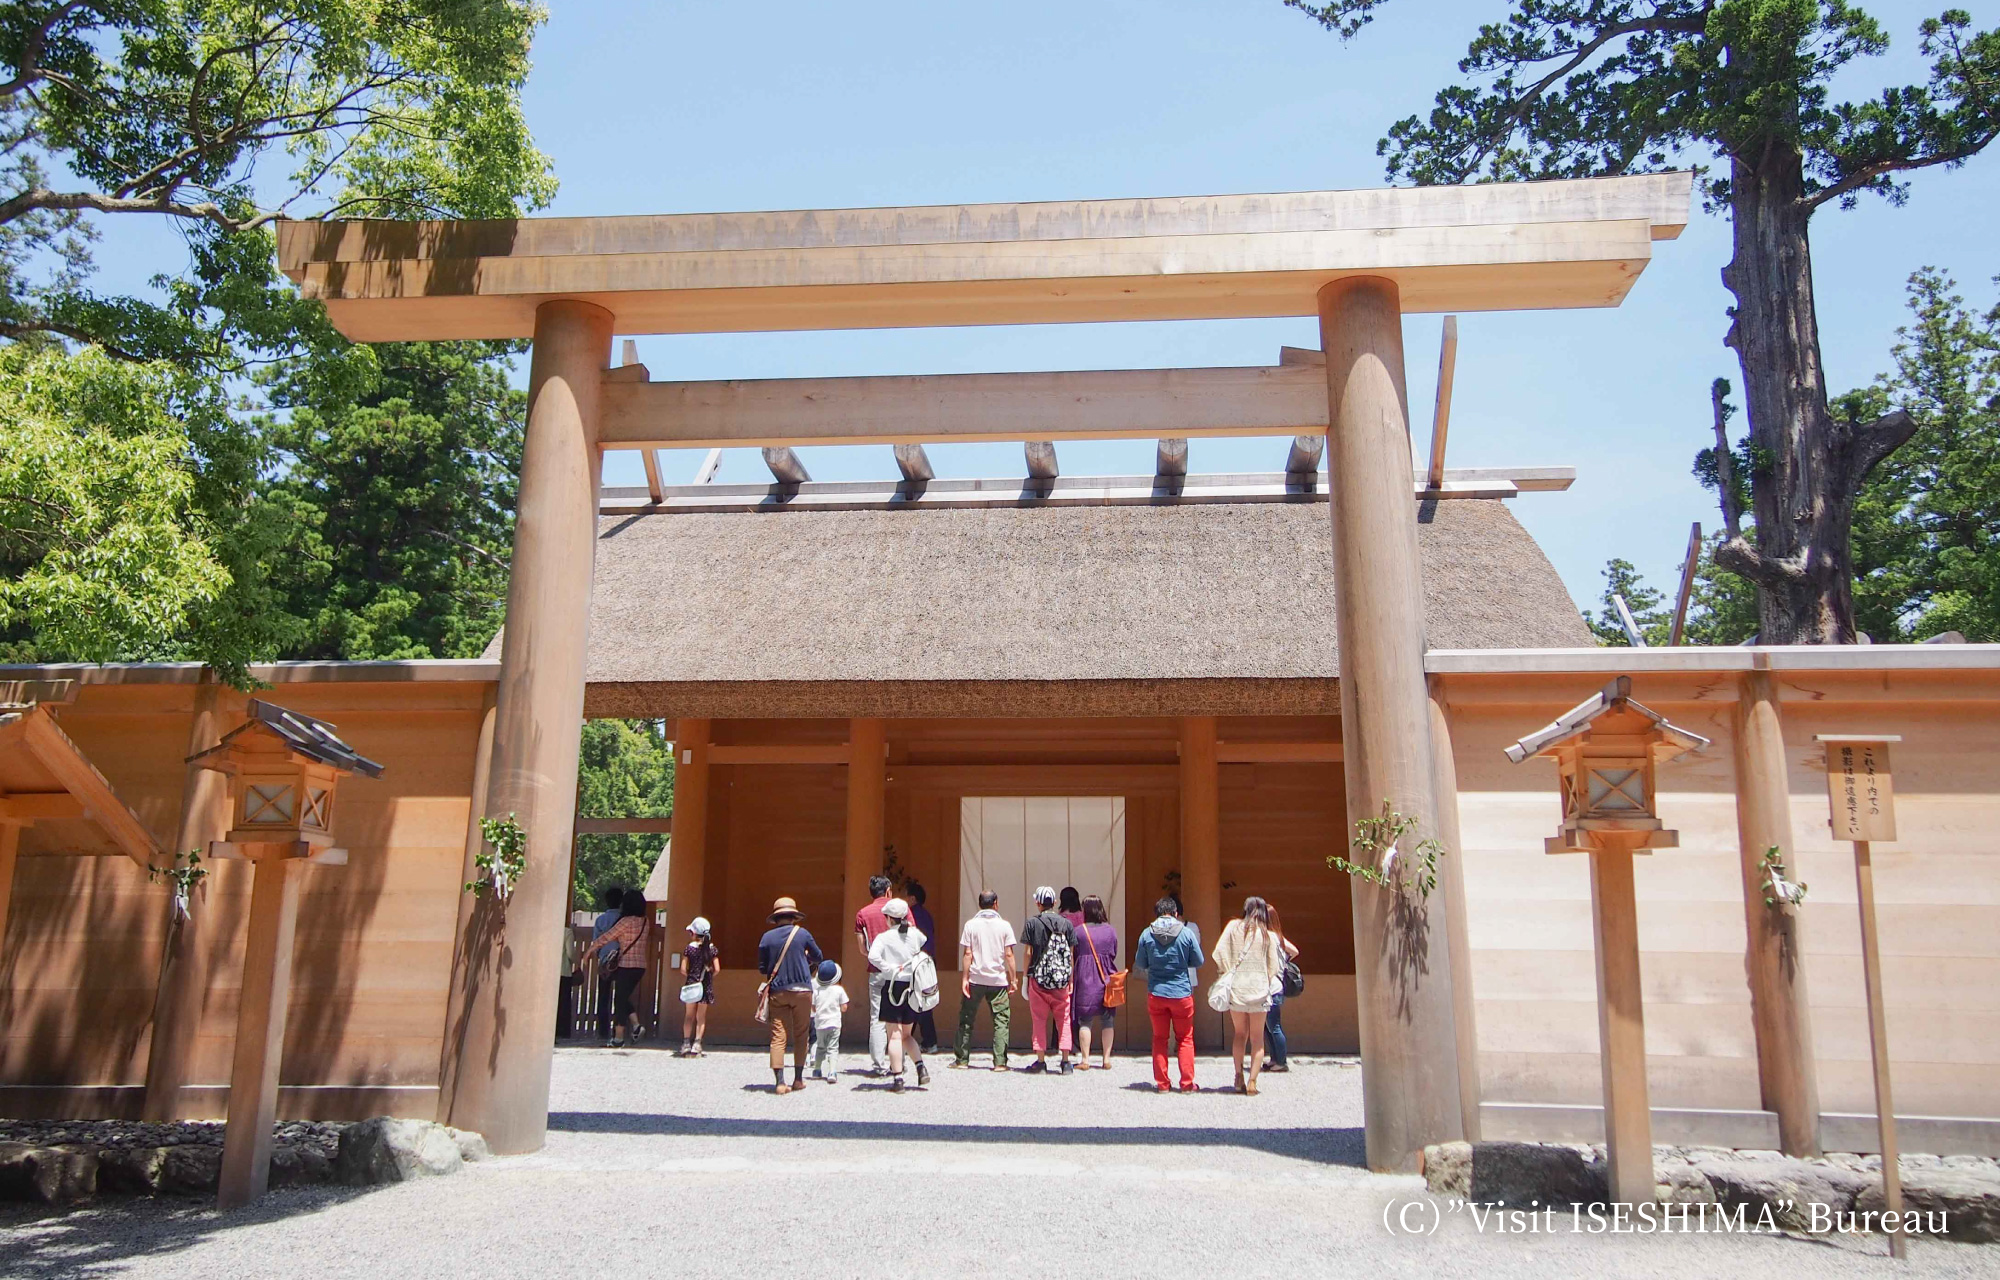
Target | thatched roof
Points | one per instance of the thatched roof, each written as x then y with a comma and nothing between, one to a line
1013,596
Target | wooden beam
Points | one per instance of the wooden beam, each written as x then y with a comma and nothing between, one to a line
1302,356
1116,404
705,473
785,465
625,826
1441,415
465,952
1041,457
1306,451
26,808
779,753
1279,753
261,1009
1621,1023
655,487
1171,459
56,753
914,463
1774,957
1409,1037
505,1042
1451,248
10,850
867,781
1686,592
1201,841
687,856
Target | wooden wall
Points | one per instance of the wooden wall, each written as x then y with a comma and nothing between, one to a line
1938,887
81,953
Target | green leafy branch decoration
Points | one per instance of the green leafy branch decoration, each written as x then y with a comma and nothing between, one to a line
1779,892
1376,840
504,862
183,876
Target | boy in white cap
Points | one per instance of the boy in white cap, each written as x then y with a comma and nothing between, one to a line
699,962
829,1003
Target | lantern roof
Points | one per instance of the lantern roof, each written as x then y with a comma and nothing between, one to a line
1614,697
302,734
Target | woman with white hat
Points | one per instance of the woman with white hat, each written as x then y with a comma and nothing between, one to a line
895,952
699,962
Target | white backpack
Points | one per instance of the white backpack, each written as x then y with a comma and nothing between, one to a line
922,977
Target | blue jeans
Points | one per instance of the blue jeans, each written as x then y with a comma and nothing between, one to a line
1274,1031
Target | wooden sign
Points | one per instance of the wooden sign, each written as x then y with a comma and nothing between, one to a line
1859,787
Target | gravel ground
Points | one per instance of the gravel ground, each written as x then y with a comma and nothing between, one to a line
693,1168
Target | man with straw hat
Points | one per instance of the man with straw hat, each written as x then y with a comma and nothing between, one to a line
788,957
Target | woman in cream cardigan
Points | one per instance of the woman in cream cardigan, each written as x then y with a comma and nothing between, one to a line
1250,964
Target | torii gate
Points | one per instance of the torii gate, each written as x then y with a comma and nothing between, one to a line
1356,259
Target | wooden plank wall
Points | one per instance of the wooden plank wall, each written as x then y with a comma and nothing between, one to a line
1938,888
374,937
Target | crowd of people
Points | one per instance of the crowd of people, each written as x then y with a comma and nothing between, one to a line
1064,962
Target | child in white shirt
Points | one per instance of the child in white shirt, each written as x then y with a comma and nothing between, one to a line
829,1002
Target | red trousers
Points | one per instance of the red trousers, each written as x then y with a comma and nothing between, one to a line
1173,1025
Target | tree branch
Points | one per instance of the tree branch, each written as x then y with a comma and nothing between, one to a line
1745,561
1725,466
1878,440
18,329
203,210
30,69
1860,178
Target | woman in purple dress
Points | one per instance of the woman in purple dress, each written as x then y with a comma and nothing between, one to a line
1096,960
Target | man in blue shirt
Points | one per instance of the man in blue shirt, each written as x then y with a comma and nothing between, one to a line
614,902
1169,952
788,957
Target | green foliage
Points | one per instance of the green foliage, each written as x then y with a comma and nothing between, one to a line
399,470
1652,611
183,873
626,770
224,115
1579,88
502,860
105,551
1927,528
218,117
1375,839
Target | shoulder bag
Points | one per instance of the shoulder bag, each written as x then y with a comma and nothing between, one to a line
764,991
696,985
1114,982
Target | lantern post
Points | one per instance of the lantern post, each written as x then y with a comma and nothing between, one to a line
1607,751
283,769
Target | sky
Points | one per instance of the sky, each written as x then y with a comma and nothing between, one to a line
722,106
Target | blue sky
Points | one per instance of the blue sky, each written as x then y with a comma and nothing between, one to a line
693,107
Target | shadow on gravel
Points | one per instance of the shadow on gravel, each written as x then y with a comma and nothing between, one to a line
103,1238
1322,1146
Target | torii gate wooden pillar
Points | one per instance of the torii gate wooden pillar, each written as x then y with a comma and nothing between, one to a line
1355,259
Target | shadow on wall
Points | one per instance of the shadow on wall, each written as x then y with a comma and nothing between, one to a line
1319,1145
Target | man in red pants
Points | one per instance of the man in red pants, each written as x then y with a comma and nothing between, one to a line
1169,952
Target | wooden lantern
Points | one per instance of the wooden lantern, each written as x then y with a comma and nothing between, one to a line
1607,752
284,769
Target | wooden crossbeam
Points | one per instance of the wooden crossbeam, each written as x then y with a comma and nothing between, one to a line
1119,404
624,826
914,463
1279,753
1441,415
779,753
705,474
1041,455
1306,451
29,807
785,465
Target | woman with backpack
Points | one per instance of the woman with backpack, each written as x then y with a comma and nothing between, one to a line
897,952
1290,983
622,949
1100,987
1251,965
1051,973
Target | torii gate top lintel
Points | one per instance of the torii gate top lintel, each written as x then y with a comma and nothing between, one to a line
1491,247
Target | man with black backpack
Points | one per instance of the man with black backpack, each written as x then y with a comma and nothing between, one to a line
1051,967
